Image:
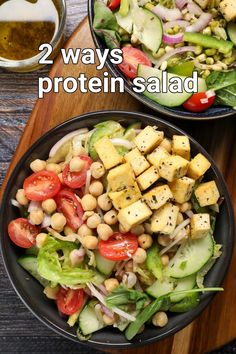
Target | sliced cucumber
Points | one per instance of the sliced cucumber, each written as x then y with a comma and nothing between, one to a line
125,22
88,321
32,251
30,264
187,283
231,29
104,266
147,28
167,99
160,288
129,133
154,263
190,257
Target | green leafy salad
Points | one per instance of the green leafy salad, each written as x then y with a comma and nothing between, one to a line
118,227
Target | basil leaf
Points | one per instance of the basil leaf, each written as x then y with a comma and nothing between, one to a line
227,96
104,17
218,79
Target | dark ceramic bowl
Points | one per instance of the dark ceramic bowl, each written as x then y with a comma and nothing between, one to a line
176,112
31,292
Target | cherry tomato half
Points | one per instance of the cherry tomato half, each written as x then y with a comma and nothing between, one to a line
200,101
69,301
113,4
70,207
76,180
132,57
41,185
22,233
119,247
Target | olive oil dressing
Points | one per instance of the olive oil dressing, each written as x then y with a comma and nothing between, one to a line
24,26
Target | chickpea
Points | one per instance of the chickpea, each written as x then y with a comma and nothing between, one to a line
111,217
50,292
108,320
97,170
88,202
49,206
21,197
137,230
129,266
104,202
96,188
111,284
36,217
160,319
76,258
76,164
38,165
53,167
129,279
68,231
90,242
84,230
180,218
166,144
140,256
185,207
165,259
58,221
87,214
40,239
104,231
163,240
93,221
145,241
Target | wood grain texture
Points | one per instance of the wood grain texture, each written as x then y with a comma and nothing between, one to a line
218,318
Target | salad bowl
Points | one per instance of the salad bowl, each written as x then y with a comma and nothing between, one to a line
30,291
178,112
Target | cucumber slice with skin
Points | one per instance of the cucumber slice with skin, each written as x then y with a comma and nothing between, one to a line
231,29
190,257
154,263
187,283
167,99
32,251
188,303
147,28
125,22
104,266
129,133
30,264
88,321
160,288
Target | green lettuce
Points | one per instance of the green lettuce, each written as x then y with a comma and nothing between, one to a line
123,296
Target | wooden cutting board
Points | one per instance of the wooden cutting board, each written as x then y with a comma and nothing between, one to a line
216,326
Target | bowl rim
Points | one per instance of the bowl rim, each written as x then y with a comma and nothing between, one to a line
168,111
206,298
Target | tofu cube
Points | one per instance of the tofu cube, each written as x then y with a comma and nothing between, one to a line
148,139
200,225
124,198
181,146
137,161
108,153
157,155
198,166
173,167
121,177
182,189
228,9
134,214
207,193
164,219
158,196
147,178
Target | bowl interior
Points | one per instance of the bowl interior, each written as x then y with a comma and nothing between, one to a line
29,289
176,112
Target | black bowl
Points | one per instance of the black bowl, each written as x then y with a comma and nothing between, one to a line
178,112
30,291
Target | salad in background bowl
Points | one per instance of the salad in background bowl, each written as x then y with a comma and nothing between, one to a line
120,219
178,37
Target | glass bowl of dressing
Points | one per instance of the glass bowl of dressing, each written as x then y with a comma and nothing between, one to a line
24,26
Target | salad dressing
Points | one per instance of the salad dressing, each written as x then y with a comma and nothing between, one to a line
24,26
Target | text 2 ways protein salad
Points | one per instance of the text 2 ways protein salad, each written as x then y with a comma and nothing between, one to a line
176,36
118,227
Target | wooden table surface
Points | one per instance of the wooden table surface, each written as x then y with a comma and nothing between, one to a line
20,332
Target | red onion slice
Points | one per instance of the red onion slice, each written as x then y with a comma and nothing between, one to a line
181,3
202,23
167,14
194,9
175,52
172,38
107,311
180,23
